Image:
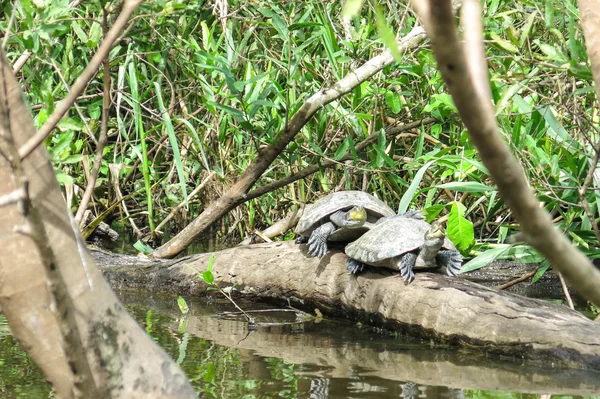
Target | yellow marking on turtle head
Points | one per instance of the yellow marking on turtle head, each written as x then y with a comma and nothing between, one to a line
358,213
436,231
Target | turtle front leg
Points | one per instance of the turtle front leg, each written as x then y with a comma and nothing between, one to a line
451,260
317,243
406,265
354,267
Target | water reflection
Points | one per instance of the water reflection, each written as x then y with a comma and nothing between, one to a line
315,359
332,359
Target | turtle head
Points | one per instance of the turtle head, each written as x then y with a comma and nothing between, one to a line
436,232
356,216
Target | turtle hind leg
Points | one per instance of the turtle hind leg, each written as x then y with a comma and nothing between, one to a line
451,260
355,267
406,264
317,243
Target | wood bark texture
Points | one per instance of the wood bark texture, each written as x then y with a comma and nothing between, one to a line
434,306
590,22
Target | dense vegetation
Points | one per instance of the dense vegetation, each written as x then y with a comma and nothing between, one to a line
198,87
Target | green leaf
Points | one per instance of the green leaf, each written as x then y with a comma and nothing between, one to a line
467,187
67,123
63,178
383,157
70,159
173,141
277,23
300,25
183,306
79,32
235,113
432,212
485,258
460,229
316,148
527,28
408,196
447,100
557,131
504,44
342,149
552,52
351,8
540,271
208,277
393,101
206,36
95,35
142,247
386,33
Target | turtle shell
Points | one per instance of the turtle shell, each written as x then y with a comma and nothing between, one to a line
319,212
390,238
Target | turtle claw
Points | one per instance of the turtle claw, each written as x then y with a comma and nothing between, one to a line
406,267
452,260
354,267
408,275
317,243
317,249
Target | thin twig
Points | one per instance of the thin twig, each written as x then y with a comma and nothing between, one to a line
103,138
10,24
190,196
309,170
583,191
565,289
228,296
516,281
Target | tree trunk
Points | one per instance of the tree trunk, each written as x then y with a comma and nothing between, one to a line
52,292
447,310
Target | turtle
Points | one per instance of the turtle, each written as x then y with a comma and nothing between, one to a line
339,216
404,243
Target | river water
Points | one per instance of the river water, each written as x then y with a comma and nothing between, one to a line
293,356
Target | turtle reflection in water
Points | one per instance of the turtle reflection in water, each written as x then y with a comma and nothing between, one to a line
404,244
341,216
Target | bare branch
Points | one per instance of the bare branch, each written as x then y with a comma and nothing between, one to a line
464,71
103,137
237,193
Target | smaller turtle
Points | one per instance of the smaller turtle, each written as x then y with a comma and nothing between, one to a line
348,214
404,244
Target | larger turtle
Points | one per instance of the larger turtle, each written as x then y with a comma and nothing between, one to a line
404,244
348,214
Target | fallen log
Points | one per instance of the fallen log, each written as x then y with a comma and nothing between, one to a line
435,307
